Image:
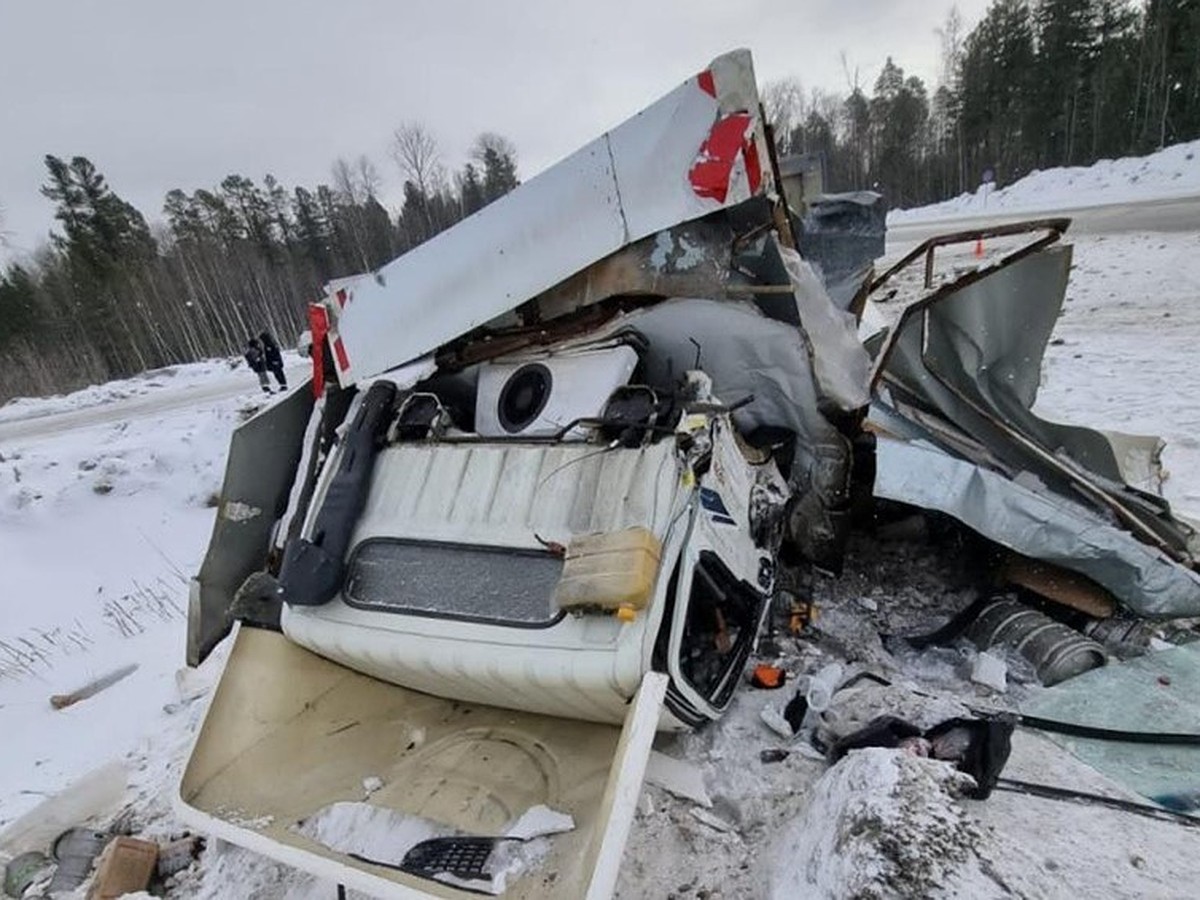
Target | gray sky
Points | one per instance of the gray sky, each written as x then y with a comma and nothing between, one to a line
163,93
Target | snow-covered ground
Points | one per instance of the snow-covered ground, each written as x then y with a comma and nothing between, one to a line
1170,173
101,524
153,382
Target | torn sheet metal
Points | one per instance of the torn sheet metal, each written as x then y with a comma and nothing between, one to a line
699,149
263,456
974,358
959,376
1036,523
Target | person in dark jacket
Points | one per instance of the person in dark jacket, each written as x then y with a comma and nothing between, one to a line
274,358
257,362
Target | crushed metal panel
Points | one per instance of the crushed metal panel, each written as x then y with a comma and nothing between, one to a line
698,149
263,456
972,353
688,260
288,734
1037,524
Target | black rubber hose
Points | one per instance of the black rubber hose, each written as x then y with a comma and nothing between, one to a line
1051,792
1110,734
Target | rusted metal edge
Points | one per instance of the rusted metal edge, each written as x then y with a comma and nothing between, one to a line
1055,229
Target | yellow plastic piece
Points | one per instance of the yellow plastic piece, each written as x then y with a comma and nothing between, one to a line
614,571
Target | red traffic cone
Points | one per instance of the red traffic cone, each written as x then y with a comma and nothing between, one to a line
979,248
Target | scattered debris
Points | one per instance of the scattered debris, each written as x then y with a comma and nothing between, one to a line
768,677
125,867
540,821
178,855
777,722
990,671
62,701
75,851
677,777
25,870
714,822
1059,584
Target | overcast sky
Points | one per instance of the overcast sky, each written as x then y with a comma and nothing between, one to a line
161,94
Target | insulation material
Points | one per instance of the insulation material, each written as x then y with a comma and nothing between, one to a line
744,353
840,364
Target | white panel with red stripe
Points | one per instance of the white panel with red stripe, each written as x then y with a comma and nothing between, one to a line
698,149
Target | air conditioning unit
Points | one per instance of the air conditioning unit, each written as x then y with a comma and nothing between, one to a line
539,397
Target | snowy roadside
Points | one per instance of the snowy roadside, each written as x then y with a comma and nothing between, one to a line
1171,173
155,381
154,391
101,526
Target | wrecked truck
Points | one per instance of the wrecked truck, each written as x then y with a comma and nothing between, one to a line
532,509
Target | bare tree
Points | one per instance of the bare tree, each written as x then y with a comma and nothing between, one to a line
368,176
950,37
497,143
783,103
416,154
356,182
345,181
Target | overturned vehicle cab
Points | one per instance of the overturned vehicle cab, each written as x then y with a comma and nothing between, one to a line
542,486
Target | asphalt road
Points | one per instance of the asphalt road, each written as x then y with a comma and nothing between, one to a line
1174,214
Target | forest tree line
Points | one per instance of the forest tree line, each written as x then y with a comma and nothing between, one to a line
1035,84
110,297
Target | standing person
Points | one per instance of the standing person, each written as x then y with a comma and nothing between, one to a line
274,358
257,363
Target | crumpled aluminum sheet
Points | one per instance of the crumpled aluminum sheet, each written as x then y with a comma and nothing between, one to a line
1044,526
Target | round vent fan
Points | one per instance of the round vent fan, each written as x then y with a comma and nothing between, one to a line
523,397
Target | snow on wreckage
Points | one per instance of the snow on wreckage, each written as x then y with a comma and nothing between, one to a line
536,515
559,462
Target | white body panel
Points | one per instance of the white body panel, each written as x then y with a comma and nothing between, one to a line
621,187
508,495
582,384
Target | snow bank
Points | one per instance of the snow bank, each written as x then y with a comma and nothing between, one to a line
881,823
1171,172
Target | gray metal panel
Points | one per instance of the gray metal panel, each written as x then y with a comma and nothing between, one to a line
974,356
1037,524
263,456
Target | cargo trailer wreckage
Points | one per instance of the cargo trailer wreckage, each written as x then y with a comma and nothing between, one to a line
551,470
